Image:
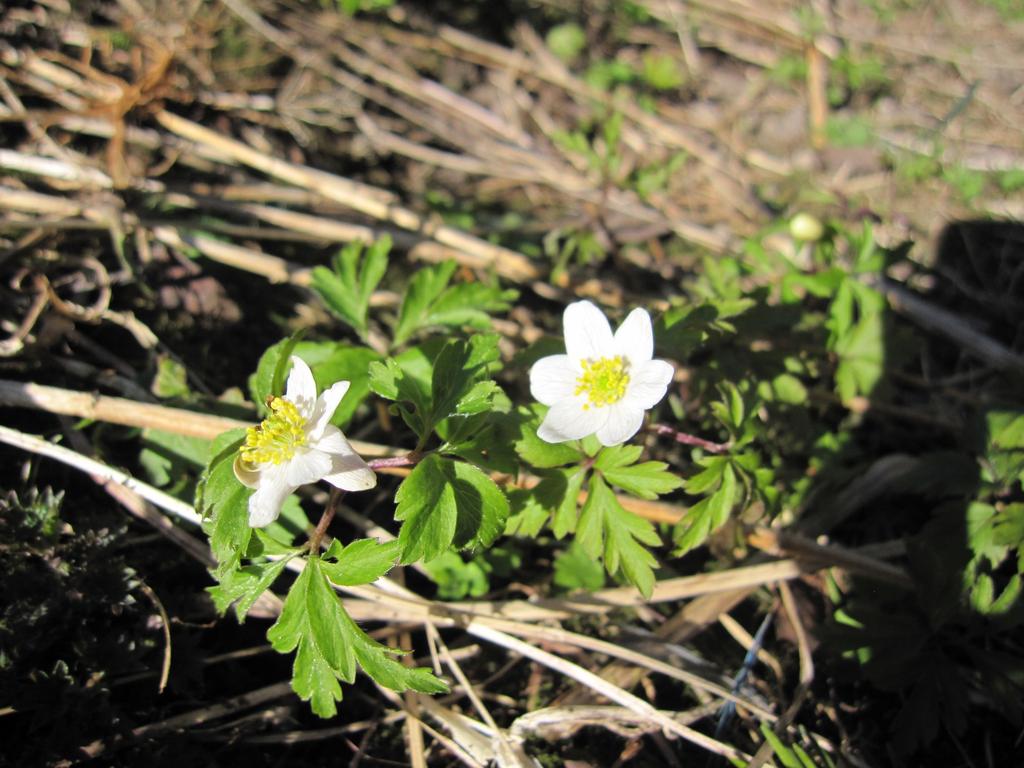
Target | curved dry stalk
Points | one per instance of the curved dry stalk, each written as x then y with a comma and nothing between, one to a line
606,689
368,200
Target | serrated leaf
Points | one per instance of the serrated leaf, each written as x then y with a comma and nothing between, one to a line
606,530
222,501
469,304
428,301
861,355
458,369
617,456
709,477
390,381
707,515
329,644
478,399
647,480
554,498
243,586
346,290
487,439
326,619
445,503
376,660
527,517
314,681
332,362
458,385
362,562
286,633
537,452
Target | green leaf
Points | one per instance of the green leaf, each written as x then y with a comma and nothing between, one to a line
710,477
537,452
458,386
329,644
575,569
459,371
389,380
661,71
786,755
861,355
606,530
243,586
167,456
171,379
445,503
376,660
326,619
222,501
286,633
617,456
1008,526
314,681
788,389
362,562
269,378
428,301
335,361
487,439
553,498
346,290
647,480
707,515
455,578
566,41
1011,435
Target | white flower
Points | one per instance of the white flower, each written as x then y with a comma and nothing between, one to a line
297,445
604,383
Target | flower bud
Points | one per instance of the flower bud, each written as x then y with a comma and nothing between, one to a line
806,228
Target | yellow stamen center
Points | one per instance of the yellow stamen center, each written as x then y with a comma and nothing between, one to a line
276,439
603,381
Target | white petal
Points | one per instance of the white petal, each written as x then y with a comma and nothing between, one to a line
348,471
648,384
553,378
332,440
587,333
623,422
351,473
325,407
301,388
307,466
567,420
635,338
246,475
265,504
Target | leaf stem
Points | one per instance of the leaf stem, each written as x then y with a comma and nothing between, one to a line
687,439
325,520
